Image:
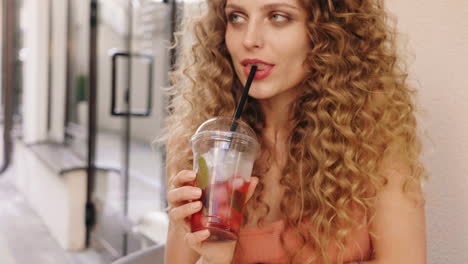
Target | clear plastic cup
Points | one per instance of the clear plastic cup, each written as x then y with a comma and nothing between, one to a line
223,161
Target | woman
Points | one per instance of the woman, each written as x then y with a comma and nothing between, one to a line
338,179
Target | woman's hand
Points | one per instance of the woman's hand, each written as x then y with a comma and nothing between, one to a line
182,209
179,197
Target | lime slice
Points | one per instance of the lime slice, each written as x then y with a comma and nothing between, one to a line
203,173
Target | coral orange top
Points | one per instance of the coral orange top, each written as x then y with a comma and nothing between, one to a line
263,246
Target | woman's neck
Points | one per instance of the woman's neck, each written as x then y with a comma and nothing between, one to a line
278,117
278,125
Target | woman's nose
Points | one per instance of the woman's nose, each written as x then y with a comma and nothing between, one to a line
253,37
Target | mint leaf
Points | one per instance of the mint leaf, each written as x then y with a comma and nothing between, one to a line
203,173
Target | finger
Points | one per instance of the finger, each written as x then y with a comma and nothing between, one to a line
252,186
184,193
183,177
184,211
195,239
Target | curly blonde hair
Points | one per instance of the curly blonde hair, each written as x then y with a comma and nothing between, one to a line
356,112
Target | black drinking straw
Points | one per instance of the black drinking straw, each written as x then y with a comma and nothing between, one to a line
245,93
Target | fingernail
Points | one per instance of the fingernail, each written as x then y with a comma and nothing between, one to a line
192,175
196,205
204,234
196,192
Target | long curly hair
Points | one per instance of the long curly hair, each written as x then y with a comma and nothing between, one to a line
356,112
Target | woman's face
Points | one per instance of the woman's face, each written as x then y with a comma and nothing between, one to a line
271,34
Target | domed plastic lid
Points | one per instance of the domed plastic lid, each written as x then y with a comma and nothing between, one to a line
219,127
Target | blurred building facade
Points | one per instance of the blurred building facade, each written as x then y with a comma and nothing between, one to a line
87,104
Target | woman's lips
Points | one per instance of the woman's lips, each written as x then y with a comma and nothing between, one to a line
262,72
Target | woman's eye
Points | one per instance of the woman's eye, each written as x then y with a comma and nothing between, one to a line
279,18
234,18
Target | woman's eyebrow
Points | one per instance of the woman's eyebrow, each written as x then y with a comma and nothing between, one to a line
265,7
234,6
276,5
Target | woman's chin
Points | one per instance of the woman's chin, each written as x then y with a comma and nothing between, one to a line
260,94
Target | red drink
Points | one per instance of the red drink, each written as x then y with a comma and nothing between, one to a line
223,204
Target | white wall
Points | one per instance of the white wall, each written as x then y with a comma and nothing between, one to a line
437,36
35,18
35,71
58,69
59,200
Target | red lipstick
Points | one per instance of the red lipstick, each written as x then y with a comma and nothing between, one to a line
264,69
